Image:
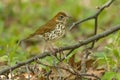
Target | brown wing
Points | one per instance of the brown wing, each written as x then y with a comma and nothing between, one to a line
45,28
50,25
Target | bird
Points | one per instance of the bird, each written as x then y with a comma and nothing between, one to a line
53,29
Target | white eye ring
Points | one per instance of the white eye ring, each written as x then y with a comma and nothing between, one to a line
60,17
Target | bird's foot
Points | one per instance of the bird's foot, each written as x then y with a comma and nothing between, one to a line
59,56
54,52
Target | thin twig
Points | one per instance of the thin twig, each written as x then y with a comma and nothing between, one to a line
93,16
95,31
73,71
67,54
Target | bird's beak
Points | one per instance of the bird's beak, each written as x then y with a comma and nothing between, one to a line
69,17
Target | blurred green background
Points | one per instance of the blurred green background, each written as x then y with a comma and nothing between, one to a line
19,18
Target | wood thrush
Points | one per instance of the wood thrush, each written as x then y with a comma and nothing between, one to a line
53,29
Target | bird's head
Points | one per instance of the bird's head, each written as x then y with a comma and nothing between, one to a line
61,17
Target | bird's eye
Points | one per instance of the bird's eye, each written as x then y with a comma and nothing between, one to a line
61,17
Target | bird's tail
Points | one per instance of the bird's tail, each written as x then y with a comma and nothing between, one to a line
30,36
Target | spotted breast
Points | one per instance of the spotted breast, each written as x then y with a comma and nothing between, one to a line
56,33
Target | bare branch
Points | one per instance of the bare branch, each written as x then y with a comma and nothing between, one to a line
71,70
93,38
93,16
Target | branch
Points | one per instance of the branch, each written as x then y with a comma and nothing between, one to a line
45,54
100,9
72,71
93,38
95,17
7,70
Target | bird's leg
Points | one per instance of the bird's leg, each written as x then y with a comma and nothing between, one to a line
51,48
60,54
44,47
